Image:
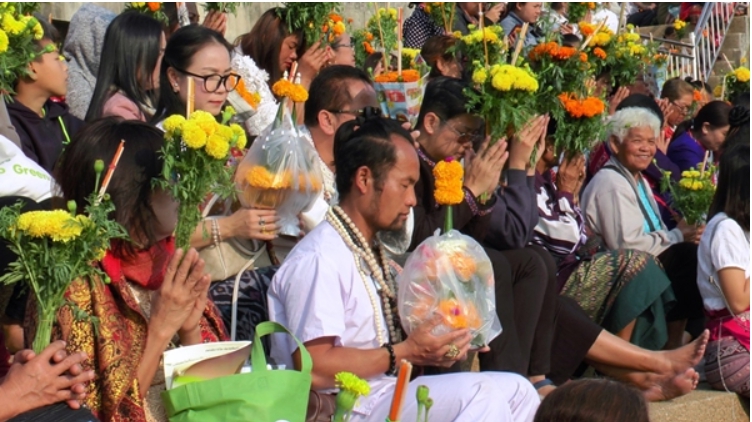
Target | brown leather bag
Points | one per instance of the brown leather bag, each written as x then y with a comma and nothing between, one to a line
321,407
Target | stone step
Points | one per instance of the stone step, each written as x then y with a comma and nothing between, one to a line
740,24
702,405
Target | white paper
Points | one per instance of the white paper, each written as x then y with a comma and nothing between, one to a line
180,359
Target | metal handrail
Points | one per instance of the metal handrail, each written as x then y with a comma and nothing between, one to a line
709,35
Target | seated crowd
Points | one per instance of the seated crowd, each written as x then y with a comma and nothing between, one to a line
592,267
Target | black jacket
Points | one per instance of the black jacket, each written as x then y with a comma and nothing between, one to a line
42,138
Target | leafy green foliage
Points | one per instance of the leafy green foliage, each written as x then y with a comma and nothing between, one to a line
18,37
383,26
308,18
221,7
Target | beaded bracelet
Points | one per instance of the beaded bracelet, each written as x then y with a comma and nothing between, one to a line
216,237
470,199
392,371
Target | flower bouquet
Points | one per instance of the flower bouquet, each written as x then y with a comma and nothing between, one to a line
54,248
221,7
310,18
734,83
597,40
449,275
195,155
581,125
680,27
629,56
442,14
362,40
153,9
252,99
18,34
693,194
579,10
279,171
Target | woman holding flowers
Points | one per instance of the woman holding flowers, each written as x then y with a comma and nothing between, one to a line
153,301
619,209
128,78
203,55
723,276
694,138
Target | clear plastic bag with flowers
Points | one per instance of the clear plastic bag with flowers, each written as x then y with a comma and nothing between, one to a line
450,275
279,171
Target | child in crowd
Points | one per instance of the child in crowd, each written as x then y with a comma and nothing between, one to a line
128,79
593,400
43,126
723,275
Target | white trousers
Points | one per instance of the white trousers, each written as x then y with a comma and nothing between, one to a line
467,396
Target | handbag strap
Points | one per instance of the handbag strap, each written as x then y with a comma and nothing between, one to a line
645,214
258,358
236,291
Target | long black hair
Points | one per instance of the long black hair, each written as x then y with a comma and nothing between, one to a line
131,185
732,193
129,56
365,142
714,113
446,97
181,48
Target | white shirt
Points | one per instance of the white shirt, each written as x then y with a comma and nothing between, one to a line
21,176
318,292
724,244
611,18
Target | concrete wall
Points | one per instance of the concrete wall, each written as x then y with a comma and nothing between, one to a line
247,13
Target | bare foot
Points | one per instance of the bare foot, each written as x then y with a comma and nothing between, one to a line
660,387
679,360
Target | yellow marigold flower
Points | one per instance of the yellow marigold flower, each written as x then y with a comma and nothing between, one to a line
11,25
282,88
339,28
193,136
686,173
679,24
3,42
502,82
632,37
695,173
238,131
217,147
393,12
298,94
457,34
601,39
480,76
173,123
742,74
685,183
225,132
352,383
138,4
696,185
58,225
260,177
637,49
448,175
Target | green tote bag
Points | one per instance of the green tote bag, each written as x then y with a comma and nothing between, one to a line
260,396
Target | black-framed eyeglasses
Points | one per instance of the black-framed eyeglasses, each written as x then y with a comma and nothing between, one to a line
366,112
214,81
464,137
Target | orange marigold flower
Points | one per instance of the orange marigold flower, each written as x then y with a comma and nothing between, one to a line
588,107
583,57
564,53
448,175
697,95
591,5
154,6
367,46
408,75
586,28
260,177
325,28
335,17
369,36
600,53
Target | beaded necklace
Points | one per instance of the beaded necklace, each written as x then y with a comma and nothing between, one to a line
385,285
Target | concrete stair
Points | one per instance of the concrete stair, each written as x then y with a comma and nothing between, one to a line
735,47
702,405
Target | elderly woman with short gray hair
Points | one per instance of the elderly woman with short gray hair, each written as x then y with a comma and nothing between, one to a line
620,209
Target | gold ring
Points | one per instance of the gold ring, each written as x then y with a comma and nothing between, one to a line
453,352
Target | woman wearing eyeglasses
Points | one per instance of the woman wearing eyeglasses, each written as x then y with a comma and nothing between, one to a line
204,55
680,95
342,51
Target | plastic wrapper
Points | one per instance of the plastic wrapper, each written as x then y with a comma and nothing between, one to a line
401,100
280,172
452,276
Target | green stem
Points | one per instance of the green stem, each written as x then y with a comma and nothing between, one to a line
448,219
43,335
339,415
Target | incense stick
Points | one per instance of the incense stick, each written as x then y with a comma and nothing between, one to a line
190,104
483,32
520,42
400,391
622,15
110,171
704,162
381,36
399,41
591,36
451,18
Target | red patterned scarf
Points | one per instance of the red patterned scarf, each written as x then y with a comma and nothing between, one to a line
146,268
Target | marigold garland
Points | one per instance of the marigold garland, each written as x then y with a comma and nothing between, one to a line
261,178
448,175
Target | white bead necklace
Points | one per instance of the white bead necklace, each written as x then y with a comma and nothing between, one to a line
346,229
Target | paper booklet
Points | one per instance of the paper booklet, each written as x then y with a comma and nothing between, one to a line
204,361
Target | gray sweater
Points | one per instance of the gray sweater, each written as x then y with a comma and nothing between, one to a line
612,211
